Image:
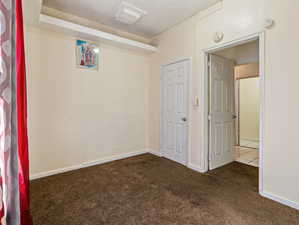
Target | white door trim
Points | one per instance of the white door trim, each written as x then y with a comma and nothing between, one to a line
237,111
189,105
205,125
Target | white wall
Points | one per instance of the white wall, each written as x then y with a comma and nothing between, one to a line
77,115
249,108
238,19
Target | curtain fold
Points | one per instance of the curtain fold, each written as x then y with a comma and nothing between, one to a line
14,162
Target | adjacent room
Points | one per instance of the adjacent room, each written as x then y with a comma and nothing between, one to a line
161,112
244,98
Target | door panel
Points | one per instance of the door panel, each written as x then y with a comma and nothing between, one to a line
222,130
174,111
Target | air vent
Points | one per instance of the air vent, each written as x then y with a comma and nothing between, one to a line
129,14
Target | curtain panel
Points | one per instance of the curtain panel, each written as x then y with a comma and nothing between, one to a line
14,163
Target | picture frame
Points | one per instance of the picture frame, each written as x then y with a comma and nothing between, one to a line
87,55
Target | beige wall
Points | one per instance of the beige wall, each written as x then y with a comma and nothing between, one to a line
249,109
239,19
76,115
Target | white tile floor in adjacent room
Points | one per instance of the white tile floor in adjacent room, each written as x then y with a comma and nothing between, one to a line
249,156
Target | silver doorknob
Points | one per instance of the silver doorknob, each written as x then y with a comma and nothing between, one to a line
184,119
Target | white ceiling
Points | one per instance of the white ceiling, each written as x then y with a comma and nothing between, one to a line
162,14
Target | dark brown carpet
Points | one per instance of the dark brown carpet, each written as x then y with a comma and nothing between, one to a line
147,190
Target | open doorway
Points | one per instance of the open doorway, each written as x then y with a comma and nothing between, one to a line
247,121
234,105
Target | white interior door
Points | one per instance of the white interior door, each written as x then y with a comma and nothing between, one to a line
174,130
221,115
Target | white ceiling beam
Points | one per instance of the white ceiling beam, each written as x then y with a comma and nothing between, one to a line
93,34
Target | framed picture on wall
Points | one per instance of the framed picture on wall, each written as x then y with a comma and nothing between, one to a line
87,55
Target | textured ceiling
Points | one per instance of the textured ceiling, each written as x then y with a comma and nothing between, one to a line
162,14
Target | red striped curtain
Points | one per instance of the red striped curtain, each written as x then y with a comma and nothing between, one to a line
14,162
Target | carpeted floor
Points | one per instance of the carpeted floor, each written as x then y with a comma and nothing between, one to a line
148,190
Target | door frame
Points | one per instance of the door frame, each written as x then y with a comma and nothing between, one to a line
237,110
260,36
189,87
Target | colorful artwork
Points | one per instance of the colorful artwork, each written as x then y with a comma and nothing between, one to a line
87,55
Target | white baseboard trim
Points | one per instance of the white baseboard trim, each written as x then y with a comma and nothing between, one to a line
88,164
250,139
195,168
281,200
93,163
155,152
54,172
113,158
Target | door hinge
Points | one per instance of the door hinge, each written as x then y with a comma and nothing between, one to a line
209,117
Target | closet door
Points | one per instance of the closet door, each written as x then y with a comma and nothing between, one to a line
175,111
